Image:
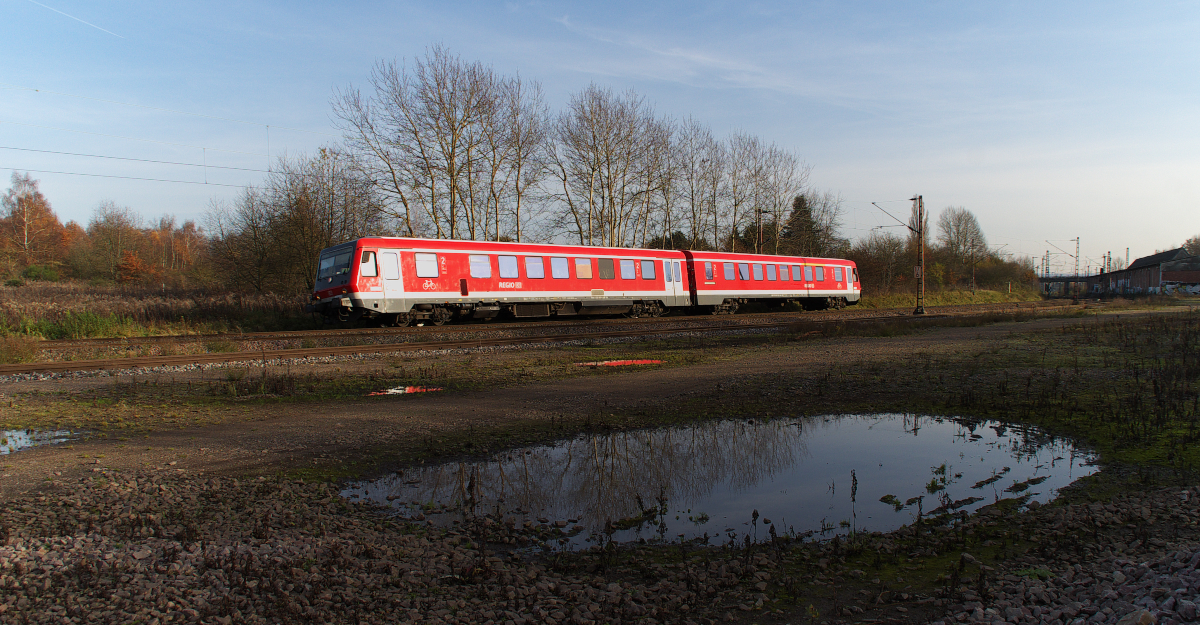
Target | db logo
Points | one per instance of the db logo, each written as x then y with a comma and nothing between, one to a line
429,285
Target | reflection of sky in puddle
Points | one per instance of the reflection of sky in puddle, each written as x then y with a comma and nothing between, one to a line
795,471
16,440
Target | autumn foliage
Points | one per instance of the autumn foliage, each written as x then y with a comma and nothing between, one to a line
114,247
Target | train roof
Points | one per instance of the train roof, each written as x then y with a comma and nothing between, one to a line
586,250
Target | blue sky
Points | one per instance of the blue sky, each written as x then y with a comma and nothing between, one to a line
1047,120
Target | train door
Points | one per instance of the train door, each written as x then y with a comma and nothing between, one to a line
393,286
682,297
676,292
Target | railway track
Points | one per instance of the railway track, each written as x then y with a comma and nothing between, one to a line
425,331
557,333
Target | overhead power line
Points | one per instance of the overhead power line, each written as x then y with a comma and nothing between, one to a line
139,160
159,108
72,173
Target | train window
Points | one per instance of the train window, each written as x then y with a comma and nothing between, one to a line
534,267
744,271
667,271
820,274
837,274
427,266
808,273
606,269
628,270
708,273
770,272
855,270
783,272
508,266
559,267
679,276
367,268
583,268
391,268
728,271
481,265
334,265
758,275
647,270
797,273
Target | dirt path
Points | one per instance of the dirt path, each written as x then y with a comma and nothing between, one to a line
280,437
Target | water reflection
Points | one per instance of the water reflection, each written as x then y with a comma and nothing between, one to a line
803,474
16,440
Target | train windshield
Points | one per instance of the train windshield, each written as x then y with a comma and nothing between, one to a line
334,264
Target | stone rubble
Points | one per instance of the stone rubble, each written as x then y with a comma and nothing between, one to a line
160,547
1138,582
164,546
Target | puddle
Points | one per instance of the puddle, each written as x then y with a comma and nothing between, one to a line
823,475
618,363
404,390
17,440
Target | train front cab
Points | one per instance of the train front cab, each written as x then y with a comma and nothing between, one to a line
356,280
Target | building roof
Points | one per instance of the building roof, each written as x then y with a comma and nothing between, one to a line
1184,264
1159,258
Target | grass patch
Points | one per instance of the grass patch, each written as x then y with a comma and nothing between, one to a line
949,298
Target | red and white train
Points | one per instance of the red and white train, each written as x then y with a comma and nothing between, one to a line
398,281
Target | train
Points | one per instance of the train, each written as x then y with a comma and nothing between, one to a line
396,281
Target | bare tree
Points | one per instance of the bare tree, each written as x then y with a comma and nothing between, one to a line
454,147
417,136
270,238
242,240
528,121
1192,245
784,176
696,161
812,228
599,146
961,237
880,258
742,179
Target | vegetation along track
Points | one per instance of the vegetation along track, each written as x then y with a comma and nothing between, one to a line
512,325
418,341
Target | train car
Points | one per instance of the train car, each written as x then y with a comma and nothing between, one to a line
397,281
722,281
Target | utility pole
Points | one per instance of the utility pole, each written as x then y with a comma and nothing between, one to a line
972,266
1075,280
919,204
758,242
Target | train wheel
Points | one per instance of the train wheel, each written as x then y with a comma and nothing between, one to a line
440,316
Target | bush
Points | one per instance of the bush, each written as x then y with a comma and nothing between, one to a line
14,349
40,273
14,282
81,325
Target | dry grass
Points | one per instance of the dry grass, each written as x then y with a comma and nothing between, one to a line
77,310
949,298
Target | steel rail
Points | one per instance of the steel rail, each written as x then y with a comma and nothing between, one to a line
451,328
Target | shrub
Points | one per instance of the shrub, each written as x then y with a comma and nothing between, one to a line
14,349
40,273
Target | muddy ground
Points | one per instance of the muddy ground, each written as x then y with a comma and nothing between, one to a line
182,431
